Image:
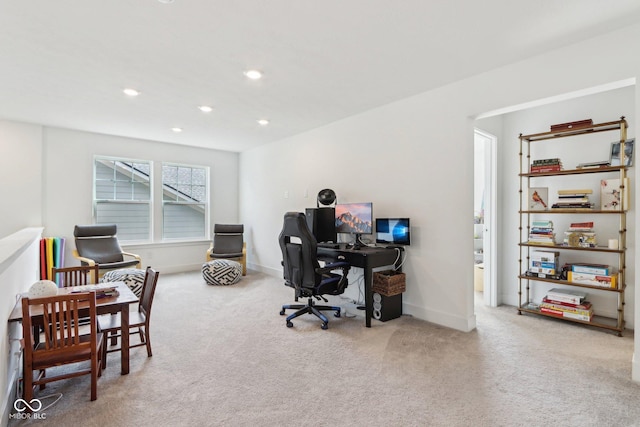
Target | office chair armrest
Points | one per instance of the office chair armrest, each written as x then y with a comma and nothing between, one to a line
89,261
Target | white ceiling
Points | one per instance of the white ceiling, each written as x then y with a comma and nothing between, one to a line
64,63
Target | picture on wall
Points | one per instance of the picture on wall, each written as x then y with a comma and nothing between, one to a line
628,153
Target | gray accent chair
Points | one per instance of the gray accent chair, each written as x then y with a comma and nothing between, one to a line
228,243
98,244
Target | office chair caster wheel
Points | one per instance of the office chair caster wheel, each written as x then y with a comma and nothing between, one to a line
289,325
336,314
325,326
282,312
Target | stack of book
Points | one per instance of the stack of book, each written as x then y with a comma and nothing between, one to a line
102,290
573,199
541,233
546,165
544,264
593,274
567,303
580,234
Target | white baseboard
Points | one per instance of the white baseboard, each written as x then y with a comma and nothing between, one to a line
441,318
635,368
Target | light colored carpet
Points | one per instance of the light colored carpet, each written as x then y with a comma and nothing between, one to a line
224,357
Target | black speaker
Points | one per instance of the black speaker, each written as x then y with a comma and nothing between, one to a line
322,223
386,308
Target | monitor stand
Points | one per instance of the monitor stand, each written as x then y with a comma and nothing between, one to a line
358,243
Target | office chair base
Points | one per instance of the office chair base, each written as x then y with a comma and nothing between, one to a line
309,309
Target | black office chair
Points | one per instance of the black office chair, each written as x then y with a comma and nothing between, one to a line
303,272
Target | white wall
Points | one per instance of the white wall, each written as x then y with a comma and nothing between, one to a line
413,158
21,176
68,173
18,270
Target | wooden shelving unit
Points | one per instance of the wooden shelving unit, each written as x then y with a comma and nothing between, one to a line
526,282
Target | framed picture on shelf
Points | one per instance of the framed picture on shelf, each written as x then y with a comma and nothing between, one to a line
628,153
538,199
610,195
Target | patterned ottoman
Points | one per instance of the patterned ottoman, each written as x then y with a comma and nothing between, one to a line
221,272
132,277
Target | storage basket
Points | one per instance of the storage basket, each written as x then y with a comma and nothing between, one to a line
389,283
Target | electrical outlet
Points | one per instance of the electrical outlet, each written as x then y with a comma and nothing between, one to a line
286,194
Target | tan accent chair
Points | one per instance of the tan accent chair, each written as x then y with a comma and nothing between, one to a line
228,243
98,244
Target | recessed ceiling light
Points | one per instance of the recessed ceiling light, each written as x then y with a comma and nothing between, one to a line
131,92
205,108
166,1
176,130
253,74
263,122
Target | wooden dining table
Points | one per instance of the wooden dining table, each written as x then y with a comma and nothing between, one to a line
105,305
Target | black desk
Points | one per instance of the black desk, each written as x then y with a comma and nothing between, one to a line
366,258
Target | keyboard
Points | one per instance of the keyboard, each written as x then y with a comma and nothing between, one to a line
329,245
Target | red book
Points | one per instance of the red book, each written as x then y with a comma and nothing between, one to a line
541,169
586,305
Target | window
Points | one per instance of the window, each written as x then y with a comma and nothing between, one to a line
184,201
122,195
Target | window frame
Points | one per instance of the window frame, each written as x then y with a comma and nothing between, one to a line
149,202
206,202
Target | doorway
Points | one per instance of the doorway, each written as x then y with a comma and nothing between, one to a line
484,218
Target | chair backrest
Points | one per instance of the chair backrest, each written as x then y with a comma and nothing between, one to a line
98,242
60,314
228,238
148,291
299,255
76,276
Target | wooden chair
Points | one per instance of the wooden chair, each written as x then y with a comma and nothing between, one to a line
76,276
138,321
63,343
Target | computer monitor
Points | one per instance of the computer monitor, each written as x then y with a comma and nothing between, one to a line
354,218
393,231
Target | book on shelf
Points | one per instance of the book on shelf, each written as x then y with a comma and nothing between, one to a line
573,191
545,169
588,311
556,276
538,198
571,296
584,305
590,165
611,195
551,161
545,262
581,226
542,223
578,124
601,280
600,269
566,314
573,199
